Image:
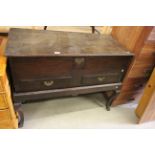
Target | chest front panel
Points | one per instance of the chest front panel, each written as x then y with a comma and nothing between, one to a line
44,73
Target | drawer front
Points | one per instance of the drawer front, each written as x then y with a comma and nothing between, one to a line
34,74
5,115
101,79
107,65
40,67
44,84
3,101
104,70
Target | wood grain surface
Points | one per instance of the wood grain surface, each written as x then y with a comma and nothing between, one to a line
51,43
31,73
8,118
146,107
134,39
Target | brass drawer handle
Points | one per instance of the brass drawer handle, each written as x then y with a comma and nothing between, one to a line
48,83
79,61
100,79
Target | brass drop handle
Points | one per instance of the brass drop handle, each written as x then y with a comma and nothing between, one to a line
100,79
79,61
48,83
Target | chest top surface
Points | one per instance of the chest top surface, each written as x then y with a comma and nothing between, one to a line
24,42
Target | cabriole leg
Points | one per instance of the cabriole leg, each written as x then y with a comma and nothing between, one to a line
20,114
110,98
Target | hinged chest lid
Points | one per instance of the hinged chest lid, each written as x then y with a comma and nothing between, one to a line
24,42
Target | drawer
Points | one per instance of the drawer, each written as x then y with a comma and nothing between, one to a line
45,73
40,67
106,65
133,84
3,101
44,84
5,115
101,79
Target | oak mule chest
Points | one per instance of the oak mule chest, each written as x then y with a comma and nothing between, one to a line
46,64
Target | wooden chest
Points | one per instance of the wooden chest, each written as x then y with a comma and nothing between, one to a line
46,64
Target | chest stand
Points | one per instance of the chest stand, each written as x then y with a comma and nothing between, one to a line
110,92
